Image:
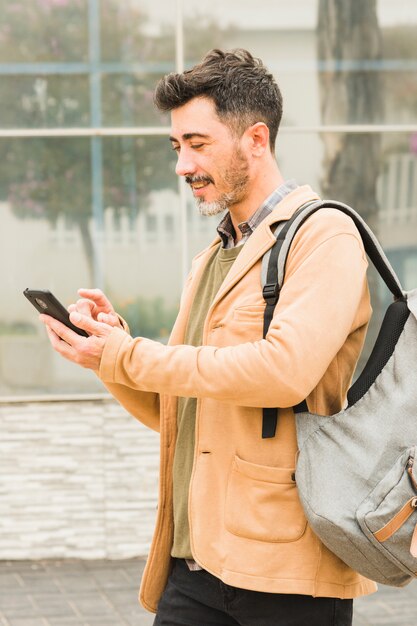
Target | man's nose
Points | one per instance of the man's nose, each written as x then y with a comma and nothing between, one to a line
185,164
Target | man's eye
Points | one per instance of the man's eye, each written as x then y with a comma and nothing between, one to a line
176,148
196,146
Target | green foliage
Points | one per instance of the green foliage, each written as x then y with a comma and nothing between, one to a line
149,318
44,178
17,328
35,31
48,178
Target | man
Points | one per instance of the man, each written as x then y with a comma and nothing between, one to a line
232,544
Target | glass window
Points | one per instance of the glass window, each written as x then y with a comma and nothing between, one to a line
58,233
376,173
82,63
43,31
43,64
357,68
104,211
44,101
127,100
138,31
137,49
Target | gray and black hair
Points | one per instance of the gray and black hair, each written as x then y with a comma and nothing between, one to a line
242,89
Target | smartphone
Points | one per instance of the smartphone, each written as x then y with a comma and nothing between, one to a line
45,302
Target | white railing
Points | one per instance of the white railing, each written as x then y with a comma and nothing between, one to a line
397,190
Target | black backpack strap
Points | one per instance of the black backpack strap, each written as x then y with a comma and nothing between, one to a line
270,293
371,244
274,278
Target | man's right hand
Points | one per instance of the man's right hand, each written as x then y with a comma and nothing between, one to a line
96,305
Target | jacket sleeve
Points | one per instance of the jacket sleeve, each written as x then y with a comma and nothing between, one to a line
142,405
323,300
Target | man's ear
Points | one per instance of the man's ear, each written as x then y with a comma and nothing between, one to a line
258,138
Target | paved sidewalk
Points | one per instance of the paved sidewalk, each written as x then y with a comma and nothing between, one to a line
104,593
71,593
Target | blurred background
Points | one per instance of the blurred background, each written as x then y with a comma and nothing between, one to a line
88,194
89,197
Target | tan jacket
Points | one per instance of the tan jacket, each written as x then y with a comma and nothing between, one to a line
246,522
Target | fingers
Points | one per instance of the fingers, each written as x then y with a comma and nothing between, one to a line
109,318
61,337
85,351
98,297
83,306
86,307
87,323
60,345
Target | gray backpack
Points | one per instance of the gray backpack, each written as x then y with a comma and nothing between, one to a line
356,475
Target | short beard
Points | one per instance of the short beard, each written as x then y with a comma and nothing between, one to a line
237,179
209,209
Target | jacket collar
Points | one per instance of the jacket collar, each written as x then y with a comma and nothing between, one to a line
258,243
263,237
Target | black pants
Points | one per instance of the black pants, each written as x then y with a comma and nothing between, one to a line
200,599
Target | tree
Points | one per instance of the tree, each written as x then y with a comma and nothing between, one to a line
349,46
51,178
349,40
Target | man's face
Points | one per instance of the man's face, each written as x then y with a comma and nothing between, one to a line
209,156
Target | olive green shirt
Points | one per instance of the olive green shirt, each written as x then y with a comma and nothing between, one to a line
214,275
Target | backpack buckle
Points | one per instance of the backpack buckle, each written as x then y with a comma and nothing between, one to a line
270,293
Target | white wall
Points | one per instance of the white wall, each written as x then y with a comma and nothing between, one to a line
77,479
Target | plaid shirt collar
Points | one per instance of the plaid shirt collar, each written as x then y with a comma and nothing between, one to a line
226,229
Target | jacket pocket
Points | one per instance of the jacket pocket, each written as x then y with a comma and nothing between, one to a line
388,516
249,313
262,503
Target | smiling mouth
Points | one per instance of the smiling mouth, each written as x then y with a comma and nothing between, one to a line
198,183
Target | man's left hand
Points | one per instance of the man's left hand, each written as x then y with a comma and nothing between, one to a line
85,351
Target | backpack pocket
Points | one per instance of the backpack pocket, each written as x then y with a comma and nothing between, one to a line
388,516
